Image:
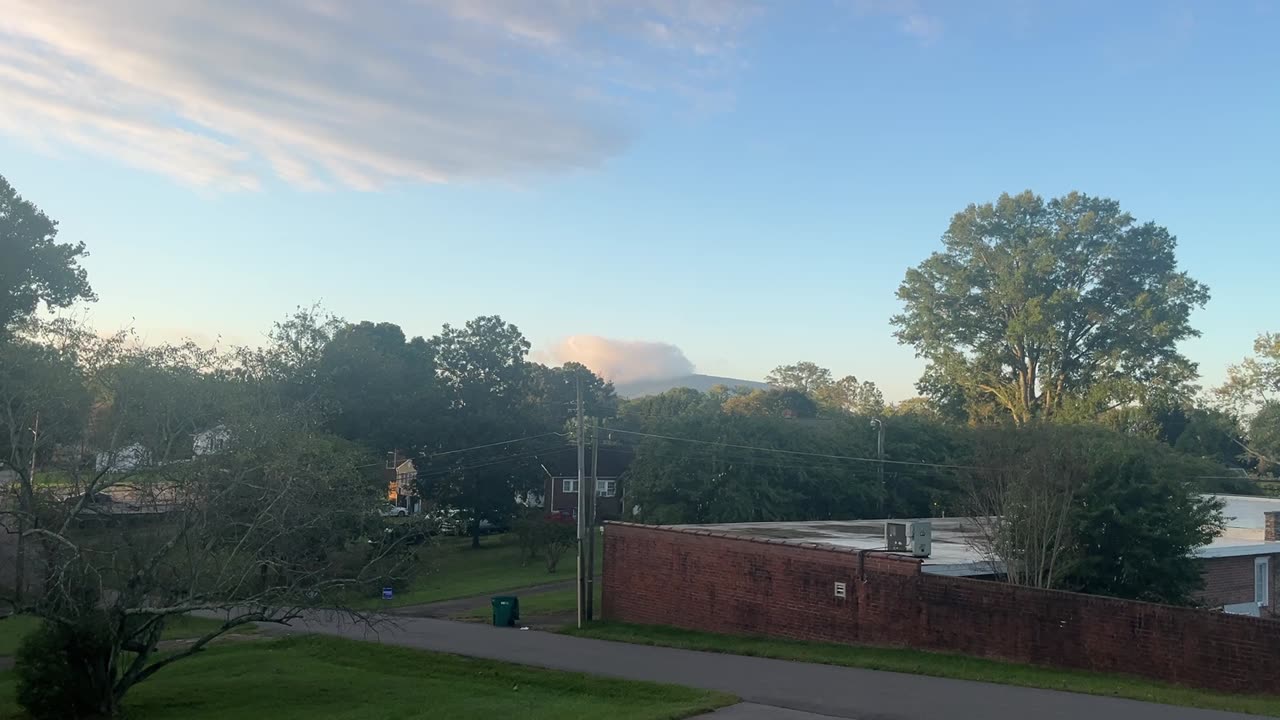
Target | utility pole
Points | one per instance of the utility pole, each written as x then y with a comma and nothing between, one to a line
591,524
582,512
878,424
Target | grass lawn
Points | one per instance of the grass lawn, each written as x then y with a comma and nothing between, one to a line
450,569
937,664
14,629
311,678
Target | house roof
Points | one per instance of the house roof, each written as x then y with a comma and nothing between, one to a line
613,462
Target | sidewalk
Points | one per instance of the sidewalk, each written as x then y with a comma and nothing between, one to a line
820,689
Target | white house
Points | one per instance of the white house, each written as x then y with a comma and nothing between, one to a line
127,458
133,456
214,440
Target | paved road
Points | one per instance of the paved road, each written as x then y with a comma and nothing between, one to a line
819,689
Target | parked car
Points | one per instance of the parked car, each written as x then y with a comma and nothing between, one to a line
452,522
390,510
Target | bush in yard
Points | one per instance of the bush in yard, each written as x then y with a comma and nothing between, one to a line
64,671
558,535
550,536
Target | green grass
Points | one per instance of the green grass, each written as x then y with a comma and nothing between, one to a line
449,568
556,601
313,678
936,664
14,629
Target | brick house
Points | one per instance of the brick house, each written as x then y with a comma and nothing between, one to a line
560,493
1240,566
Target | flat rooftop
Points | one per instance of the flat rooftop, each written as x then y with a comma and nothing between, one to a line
954,549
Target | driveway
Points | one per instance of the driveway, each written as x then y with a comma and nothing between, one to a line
821,689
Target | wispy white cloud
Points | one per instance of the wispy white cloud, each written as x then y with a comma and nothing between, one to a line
227,93
620,361
912,17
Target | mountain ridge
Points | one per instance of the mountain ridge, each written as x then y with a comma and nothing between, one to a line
696,381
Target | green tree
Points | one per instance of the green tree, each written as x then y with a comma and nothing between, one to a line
804,376
1252,390
852,396
378,388
847,394
34,268
774,402
555,390
1256,380
1087,509
652,413
1035,305
1134,533
1264,437
487,386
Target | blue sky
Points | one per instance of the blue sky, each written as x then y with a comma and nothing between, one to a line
746,182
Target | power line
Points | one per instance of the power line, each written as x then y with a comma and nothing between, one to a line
743,458
492,445
796,452
499,461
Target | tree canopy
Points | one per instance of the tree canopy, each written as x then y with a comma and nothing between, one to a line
1038,306
846,394
1255,380
34,268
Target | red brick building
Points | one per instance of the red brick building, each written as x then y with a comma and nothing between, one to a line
701,579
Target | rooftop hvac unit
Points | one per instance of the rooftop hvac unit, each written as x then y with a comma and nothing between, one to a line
913,536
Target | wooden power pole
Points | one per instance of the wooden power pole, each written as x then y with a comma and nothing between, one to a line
591,519
582,513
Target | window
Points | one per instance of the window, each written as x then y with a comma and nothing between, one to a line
1262,581
570,486
606,488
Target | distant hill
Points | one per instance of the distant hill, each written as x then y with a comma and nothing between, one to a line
701,383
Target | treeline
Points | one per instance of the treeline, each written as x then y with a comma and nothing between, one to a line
699,458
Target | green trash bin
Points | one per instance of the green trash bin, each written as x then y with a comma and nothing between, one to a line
506,610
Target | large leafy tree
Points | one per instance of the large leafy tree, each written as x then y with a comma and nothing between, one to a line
555,391
1264,437
34,268
487,387
805,376
1252,389
378,388
846,394
1036,306
1256,380
1086,509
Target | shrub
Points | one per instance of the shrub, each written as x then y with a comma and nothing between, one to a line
547,535
65,671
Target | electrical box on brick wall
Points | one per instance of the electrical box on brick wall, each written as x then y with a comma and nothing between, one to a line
913,536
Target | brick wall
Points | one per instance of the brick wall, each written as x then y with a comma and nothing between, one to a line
705,581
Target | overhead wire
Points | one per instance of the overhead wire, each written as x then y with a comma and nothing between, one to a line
798,453
495,444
